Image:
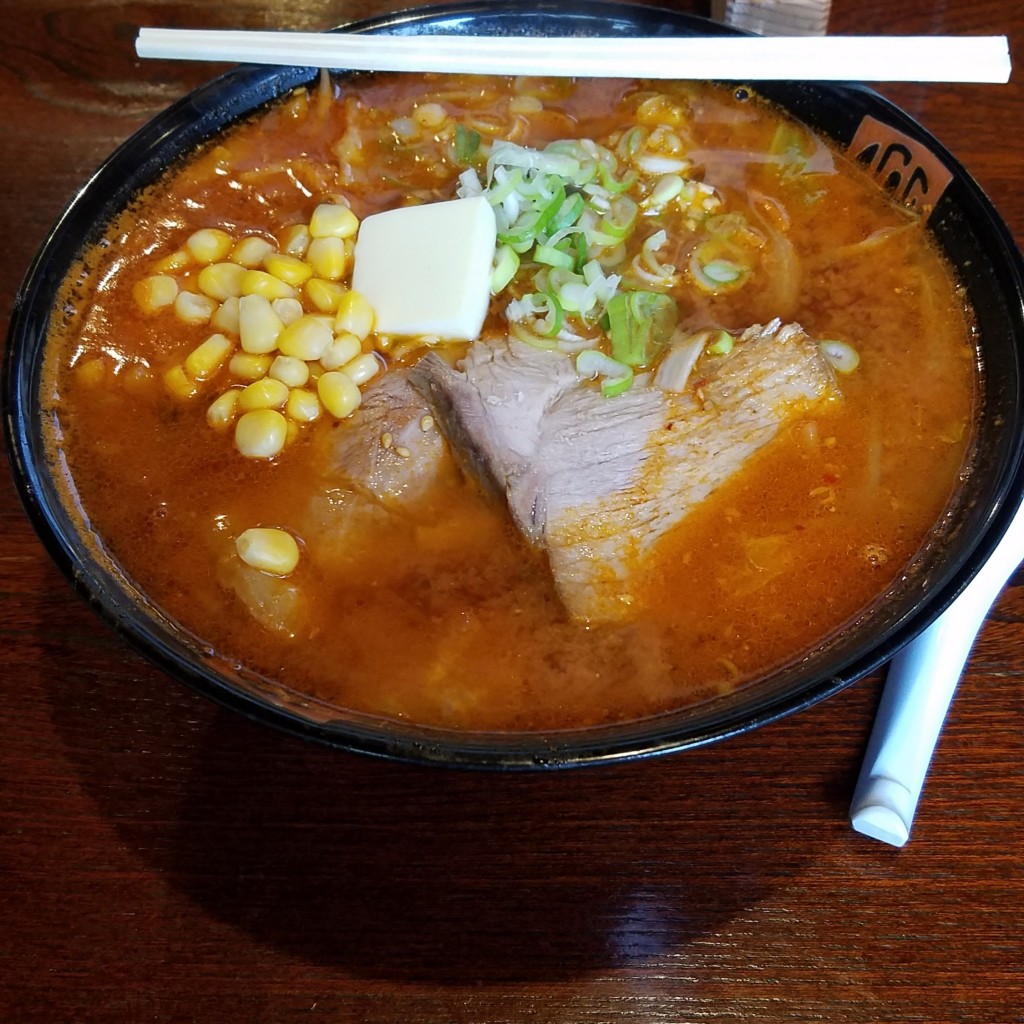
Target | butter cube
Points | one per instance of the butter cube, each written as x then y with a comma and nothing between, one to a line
427,269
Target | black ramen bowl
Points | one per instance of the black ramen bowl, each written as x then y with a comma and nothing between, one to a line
904,158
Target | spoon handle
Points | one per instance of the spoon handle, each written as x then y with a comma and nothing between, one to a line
918,689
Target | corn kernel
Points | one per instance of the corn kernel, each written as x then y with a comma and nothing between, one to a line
364,367
261,433
267,393
289,269
194,308
251,251
429,115
288,310
339,394
249,366
302,406
294,239
179,383
258,325
223,409
306,338
268,549
173,262
155,292
92,372
259,282
355,315
209,245
221,280
289,370
327,258
332,220
136,378
207,358
325,295
344,349
226,317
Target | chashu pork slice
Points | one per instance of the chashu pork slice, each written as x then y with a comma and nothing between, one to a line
379,465
492,410
597,481
388,449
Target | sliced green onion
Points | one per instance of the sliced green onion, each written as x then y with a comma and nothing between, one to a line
524,334
723,271
613,386
716,275
610,182
541,310
648,267
842,357
639,323
564,210
575,148
620,219
467,143
666,188
612,257
553,256
522,234
576,297
722,344
469,184
551,207
632,142
568,213
652,163
499,191
615,377
512,155
506,265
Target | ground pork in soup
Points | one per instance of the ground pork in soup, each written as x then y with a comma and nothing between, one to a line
722,391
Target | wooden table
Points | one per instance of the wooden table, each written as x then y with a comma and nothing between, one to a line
163,860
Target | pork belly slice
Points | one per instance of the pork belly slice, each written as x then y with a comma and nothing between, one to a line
492,411
389,450
377,467
596,481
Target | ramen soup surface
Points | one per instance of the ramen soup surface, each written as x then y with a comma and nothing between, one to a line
437,610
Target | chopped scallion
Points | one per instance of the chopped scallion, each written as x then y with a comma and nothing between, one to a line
639,323
506,265
553,256
723,271
721,345
841,356
615,377
467,143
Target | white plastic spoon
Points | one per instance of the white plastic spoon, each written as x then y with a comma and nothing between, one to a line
920,685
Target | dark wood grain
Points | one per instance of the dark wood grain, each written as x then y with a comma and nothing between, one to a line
163,860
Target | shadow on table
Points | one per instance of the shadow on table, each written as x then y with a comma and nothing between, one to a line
420,874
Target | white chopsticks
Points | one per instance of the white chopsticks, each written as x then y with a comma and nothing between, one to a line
722,58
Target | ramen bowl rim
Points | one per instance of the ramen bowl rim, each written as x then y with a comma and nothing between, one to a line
144,628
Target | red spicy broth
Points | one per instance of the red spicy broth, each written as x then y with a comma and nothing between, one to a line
440,613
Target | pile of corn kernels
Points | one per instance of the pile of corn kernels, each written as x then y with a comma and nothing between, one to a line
289,340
